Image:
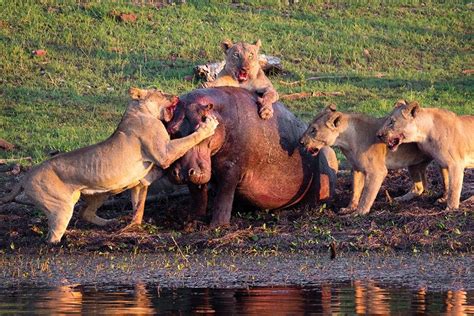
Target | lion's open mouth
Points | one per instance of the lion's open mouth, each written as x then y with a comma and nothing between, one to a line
242,75
394,142
313,151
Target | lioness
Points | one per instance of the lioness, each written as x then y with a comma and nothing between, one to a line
126,160
355,134
443,135
242,69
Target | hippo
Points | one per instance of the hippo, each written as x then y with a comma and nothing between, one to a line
259,161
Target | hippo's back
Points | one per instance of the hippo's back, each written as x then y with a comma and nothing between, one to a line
274,170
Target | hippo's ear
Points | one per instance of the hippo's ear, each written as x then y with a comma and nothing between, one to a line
137,93
411,109
205,109
226,44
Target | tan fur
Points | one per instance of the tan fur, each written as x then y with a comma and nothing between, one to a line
244,57
441,134
355,135
131,158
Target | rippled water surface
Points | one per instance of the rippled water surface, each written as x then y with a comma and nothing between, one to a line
361,297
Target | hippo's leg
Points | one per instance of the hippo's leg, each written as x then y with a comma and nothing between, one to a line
227,183
199,196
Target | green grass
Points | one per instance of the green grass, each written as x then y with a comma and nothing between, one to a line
93,59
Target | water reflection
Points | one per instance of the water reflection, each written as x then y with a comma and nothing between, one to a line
359,297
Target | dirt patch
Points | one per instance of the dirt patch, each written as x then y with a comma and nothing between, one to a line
417,226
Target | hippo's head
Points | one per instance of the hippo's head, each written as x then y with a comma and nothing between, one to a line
195,165
324,130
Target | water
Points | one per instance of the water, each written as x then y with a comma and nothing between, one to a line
357,297
207,283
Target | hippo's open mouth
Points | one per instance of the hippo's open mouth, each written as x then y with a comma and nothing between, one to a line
394,142
242,75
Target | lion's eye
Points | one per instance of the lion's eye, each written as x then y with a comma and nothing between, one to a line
313,131
250,56
236,55
392,121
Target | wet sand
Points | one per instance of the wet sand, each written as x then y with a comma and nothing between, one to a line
208,270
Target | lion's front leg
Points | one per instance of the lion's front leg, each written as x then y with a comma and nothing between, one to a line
266,101
224,81
445,179
456,175
138,195
373,182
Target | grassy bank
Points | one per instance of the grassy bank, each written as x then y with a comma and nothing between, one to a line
75,94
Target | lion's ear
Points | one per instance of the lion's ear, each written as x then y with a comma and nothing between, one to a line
258,43
400,103
226,44
337,120
331,108
334,121
137,93
413,107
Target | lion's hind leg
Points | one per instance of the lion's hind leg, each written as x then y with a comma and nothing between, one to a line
59,212
93,202
418,176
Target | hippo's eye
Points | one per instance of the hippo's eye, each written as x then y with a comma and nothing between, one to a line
203,118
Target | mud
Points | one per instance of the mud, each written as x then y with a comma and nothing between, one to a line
211,270
417,226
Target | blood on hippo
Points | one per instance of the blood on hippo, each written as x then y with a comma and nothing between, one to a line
259,161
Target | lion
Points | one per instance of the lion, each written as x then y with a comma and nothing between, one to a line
441,134
134,156
242,69
355,135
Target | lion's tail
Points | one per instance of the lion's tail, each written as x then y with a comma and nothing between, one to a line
13,194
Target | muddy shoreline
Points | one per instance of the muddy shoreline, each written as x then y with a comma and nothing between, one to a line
419,226
208,270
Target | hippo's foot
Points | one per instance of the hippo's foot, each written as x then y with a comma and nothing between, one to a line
194,225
